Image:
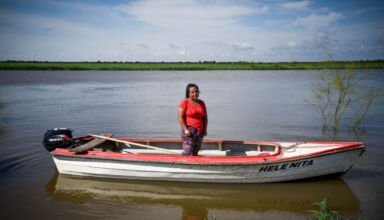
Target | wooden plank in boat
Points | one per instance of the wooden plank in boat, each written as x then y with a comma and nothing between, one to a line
91,144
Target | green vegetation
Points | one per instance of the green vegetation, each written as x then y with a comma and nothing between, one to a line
323,213
206,65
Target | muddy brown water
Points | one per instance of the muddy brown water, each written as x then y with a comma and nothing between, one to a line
242,105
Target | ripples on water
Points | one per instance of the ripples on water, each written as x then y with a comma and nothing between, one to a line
242,105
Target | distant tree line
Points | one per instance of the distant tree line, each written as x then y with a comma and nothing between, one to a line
194,62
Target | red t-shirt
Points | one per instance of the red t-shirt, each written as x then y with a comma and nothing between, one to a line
194,114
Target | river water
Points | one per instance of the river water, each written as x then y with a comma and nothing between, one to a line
242,105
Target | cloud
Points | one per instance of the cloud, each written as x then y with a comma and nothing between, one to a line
292,43
241,46
362,11
175,14
296,5
173,46
142,45
262,10
182,52
316,21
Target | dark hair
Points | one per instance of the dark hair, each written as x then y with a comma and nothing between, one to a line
190,85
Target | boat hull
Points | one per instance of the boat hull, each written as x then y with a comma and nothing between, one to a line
184,169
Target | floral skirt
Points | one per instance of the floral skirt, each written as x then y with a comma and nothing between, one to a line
191,144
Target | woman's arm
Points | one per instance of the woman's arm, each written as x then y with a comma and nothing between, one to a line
205,121
183,124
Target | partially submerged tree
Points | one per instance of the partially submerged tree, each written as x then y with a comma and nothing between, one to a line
339,95
321,99
365,102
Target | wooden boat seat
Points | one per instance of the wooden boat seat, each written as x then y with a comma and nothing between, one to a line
236,153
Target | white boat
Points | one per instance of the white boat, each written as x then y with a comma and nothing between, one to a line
218,161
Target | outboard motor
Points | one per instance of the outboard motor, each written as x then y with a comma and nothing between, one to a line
58,138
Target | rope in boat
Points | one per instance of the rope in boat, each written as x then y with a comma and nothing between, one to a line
294,146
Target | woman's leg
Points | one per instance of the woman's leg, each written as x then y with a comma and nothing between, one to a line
187,144
197,143
192,143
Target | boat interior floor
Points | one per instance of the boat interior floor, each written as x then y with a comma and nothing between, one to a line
248,150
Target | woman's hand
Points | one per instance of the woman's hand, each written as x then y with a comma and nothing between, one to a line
187,132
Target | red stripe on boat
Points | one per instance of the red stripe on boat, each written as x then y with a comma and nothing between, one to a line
210,160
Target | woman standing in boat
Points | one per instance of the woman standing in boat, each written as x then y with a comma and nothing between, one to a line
193,119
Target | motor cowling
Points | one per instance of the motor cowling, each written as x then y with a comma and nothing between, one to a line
58,138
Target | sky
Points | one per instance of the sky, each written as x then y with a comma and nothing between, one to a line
191,30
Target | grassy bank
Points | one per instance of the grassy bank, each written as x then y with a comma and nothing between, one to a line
16,65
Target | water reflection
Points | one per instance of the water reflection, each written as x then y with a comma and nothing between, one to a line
196,199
